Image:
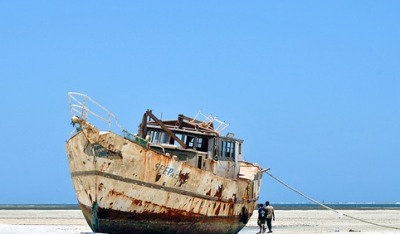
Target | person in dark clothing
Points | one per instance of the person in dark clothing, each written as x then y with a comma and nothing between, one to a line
262,216
270,216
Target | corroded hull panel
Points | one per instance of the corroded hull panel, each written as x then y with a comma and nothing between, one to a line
125,187
114,221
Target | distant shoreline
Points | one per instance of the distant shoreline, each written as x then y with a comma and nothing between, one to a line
39,207
277,206
338,206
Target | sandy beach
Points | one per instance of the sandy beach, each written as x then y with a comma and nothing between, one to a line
287,221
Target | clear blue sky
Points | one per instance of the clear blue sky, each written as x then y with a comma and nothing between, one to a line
313,87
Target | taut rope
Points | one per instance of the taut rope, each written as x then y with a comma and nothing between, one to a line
325,206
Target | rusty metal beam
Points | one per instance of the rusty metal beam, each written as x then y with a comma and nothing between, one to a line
165,128
143,127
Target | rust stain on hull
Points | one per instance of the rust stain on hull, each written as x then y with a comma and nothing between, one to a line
114,221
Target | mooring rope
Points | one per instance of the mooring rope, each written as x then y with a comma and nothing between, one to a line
325,206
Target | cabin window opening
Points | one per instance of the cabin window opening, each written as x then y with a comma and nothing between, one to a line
221,148
189,142
151,134
199,143
164,138
155,137
227,149
173,142
240,148
202,144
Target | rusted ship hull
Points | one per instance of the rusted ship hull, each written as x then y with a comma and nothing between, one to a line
174,177
112,221
137,190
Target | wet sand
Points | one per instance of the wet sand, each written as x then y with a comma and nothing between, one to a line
287,221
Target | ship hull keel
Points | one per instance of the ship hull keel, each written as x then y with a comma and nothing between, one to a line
115,221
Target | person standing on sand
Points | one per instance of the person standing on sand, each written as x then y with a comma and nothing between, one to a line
270,216
262,216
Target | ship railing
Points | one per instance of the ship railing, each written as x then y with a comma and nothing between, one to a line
84,107
207,120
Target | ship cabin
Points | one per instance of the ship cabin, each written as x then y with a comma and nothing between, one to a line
195,142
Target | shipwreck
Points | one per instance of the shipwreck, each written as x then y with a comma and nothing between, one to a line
171,176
